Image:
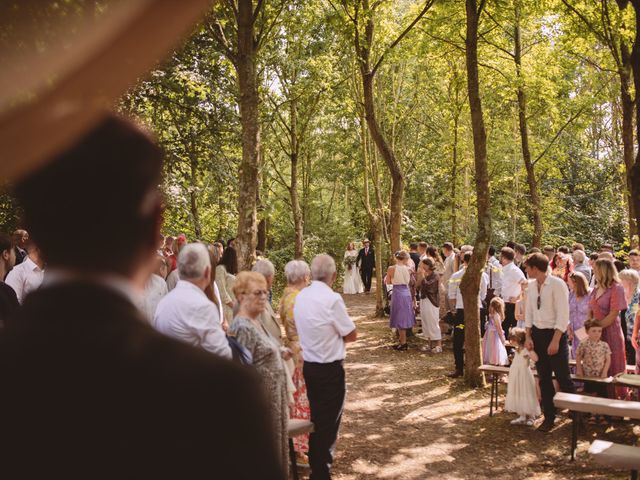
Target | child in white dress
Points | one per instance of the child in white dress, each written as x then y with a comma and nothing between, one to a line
493,349
521,391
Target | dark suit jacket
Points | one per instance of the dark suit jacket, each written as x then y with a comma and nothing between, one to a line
366,262
89,391
21,254
8,302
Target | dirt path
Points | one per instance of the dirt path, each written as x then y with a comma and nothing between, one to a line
404,419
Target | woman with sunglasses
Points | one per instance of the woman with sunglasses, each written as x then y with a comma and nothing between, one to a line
251,293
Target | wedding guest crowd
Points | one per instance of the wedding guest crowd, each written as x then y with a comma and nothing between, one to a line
167,321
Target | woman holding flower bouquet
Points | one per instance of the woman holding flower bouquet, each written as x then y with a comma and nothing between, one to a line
352,283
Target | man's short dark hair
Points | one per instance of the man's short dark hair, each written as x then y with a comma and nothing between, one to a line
606,247
106,185
413,246
535,250
447,245
5,243
594,256
563,249
577,246
492,250
508,253
423,245
548,248
466,257
511,244
538,261
520,248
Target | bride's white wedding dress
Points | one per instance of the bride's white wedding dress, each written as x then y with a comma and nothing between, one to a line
352,282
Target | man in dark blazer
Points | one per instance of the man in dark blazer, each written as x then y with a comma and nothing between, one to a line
366,261
90,390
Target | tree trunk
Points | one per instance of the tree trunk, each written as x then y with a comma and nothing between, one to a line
298,221
395,169
524,135
193,198
249,180
363,53
454,181
470,284
634,172
375,220
627,102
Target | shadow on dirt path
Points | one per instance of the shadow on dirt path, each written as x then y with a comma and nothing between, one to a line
404,419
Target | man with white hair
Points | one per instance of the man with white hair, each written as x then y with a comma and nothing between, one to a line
324,327
580,264
186,313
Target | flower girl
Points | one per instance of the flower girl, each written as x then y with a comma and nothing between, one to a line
493,349
521,391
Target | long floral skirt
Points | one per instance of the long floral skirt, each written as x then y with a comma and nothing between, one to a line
300,409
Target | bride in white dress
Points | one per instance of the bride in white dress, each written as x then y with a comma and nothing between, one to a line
352,282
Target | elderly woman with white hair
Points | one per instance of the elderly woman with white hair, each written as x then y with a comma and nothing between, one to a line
298,275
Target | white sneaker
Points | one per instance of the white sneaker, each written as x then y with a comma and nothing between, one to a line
437,350
529,422
519,421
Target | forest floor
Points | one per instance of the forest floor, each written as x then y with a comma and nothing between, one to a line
404,419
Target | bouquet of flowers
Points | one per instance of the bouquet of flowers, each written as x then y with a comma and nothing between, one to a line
349,262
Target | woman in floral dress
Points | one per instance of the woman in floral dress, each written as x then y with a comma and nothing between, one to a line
606,301
298,274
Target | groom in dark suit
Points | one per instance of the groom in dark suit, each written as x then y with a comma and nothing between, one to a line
90,390
366,261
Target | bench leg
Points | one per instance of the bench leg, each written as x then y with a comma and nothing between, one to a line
491,400
575,423
634,475
497,383
292,457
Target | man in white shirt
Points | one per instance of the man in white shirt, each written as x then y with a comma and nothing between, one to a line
494,271
449,262
511,288
186,313
634,260
28,276
324,327
456,302
546,321
155,289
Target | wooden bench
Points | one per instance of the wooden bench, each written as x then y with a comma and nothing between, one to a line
578,404
629,369
496,371
295,428
624,457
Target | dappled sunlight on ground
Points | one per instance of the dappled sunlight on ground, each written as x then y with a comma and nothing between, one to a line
404,419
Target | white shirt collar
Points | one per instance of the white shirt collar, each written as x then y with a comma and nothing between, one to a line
190,286
31,265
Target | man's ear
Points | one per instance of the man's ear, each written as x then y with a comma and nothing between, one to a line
6,254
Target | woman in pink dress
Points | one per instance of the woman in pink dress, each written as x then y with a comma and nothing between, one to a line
605,303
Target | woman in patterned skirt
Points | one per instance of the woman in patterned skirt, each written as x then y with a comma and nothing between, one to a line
298,274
